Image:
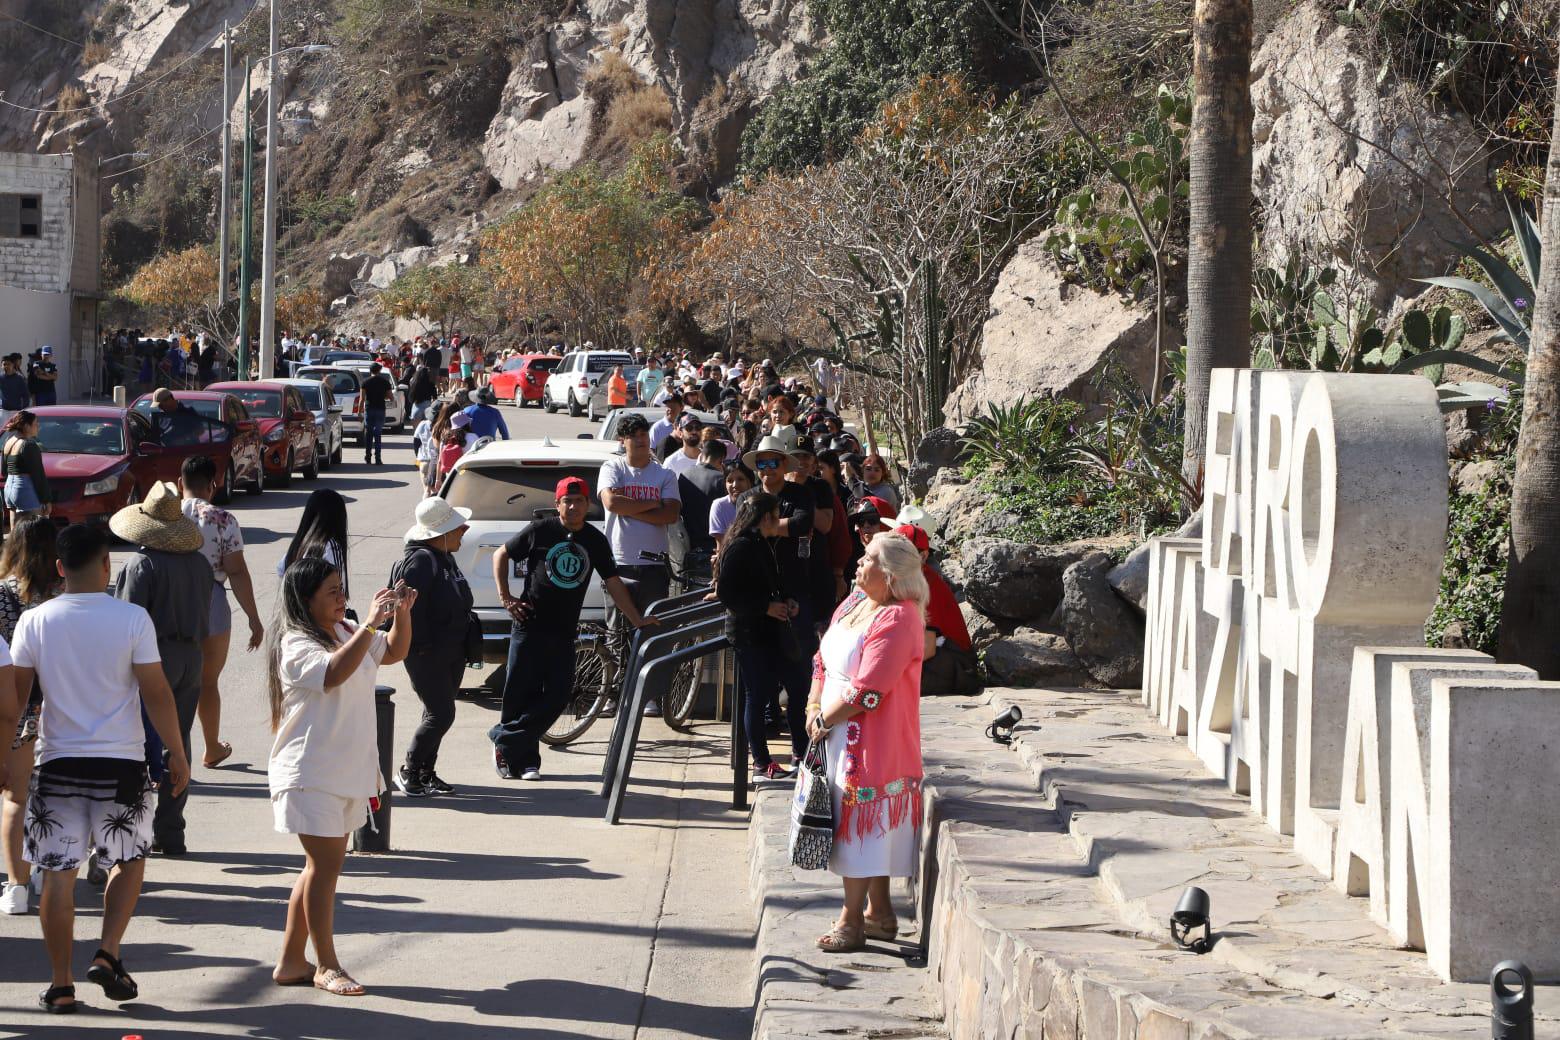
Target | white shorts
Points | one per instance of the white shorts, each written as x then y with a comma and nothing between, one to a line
77,806
318,814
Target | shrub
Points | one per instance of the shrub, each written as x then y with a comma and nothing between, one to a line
1473,577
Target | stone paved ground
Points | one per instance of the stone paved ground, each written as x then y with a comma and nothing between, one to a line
1053,867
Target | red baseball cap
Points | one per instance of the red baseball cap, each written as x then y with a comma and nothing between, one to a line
917,537
571,486
883,507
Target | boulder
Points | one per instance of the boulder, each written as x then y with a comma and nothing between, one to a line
386,271
1130,577
1103,630
342,269
1016,581
1470,479
983,631
939,450
1046,335
1030,657
1358,177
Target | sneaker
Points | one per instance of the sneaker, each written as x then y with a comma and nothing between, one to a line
435,785
499,764
530,773
14,900
410,785
774,772
652,709
96,875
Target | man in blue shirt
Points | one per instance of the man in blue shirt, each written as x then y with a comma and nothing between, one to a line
486,421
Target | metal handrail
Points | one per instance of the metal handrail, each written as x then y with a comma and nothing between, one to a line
646,641
681,599
633,709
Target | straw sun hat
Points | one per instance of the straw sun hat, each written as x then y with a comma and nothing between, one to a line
158,522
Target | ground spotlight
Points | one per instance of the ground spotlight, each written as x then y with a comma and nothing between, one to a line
1001,728
1190,914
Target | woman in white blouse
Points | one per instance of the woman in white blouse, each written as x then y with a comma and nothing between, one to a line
324,764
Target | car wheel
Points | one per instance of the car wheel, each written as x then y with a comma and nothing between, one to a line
335,456
258,485
575,411
546,403
224,495
519,401
312,470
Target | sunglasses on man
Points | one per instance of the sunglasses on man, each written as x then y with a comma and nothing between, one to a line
767,463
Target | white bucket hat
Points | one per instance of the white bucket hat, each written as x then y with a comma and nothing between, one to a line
435,516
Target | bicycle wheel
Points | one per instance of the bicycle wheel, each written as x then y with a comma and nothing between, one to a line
683,693
588,698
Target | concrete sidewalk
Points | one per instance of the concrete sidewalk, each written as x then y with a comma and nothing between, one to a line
507,910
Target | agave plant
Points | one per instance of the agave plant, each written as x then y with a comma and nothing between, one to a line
1508,305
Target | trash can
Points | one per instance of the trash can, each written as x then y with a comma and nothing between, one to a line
374,836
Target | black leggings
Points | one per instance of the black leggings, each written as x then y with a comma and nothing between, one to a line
435,675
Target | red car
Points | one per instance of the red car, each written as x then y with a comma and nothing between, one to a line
289,439
100,459
224,431
520,379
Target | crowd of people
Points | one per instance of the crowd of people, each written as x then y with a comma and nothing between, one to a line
822,570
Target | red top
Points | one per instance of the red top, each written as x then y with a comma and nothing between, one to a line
942,610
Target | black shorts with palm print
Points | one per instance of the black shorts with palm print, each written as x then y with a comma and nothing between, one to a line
76,806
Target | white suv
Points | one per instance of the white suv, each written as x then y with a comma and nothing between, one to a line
507,485
570,384
345,383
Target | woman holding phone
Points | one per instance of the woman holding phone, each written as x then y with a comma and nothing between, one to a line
324,763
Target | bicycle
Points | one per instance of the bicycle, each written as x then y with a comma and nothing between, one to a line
598,674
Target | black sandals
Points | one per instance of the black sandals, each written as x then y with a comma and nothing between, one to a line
116,982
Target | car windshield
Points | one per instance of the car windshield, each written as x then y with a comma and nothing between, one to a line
262,404
516,492
605,362
80,435
204,407
342,384
310,392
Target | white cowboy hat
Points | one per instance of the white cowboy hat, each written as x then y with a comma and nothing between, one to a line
770,445
917,517
435,516
158,522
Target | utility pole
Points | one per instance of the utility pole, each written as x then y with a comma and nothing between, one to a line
268,255
246,234
227,165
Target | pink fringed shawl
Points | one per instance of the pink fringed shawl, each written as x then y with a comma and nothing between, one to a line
882,762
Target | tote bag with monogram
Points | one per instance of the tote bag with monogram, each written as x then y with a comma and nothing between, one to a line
812,812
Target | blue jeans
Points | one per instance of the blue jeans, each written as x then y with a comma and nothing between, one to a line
538,681
765,671
374,435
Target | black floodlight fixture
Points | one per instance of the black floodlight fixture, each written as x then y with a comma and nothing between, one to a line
1001,728
1191,913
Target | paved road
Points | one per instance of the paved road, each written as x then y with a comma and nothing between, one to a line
506,910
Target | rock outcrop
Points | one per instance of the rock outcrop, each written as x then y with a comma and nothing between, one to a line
1102,630
1047,335
1014,581
1360,178
1030,657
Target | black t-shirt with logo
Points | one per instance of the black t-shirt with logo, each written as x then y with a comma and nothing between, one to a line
555,565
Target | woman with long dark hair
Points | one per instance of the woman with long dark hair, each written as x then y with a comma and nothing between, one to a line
27,578
758,623
26,485
324,762
322,532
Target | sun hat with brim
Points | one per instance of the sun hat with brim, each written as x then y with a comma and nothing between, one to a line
915,516
158,522
435,516
770,445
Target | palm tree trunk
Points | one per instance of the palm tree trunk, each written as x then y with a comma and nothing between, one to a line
1532,601
1218,312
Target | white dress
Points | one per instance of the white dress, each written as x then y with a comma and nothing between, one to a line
891,853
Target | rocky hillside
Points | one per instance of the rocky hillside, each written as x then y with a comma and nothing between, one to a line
423,123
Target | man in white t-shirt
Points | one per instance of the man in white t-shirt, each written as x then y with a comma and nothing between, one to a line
96,662
690,428
641,500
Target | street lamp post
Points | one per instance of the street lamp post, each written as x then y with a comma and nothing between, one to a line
268,248
246,235
227,165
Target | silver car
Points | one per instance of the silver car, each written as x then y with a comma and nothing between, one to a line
319,399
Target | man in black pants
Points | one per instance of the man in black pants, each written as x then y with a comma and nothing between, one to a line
376,391
554,559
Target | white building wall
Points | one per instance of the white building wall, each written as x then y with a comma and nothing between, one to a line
42,263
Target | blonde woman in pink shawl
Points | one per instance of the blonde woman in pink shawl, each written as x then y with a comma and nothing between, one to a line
866,703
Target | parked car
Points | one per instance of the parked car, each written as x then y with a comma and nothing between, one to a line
336,357
327,417
345,382
598,403
520,379
507,485
226,432
570,384
314,355
397,407
287,432
99,459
